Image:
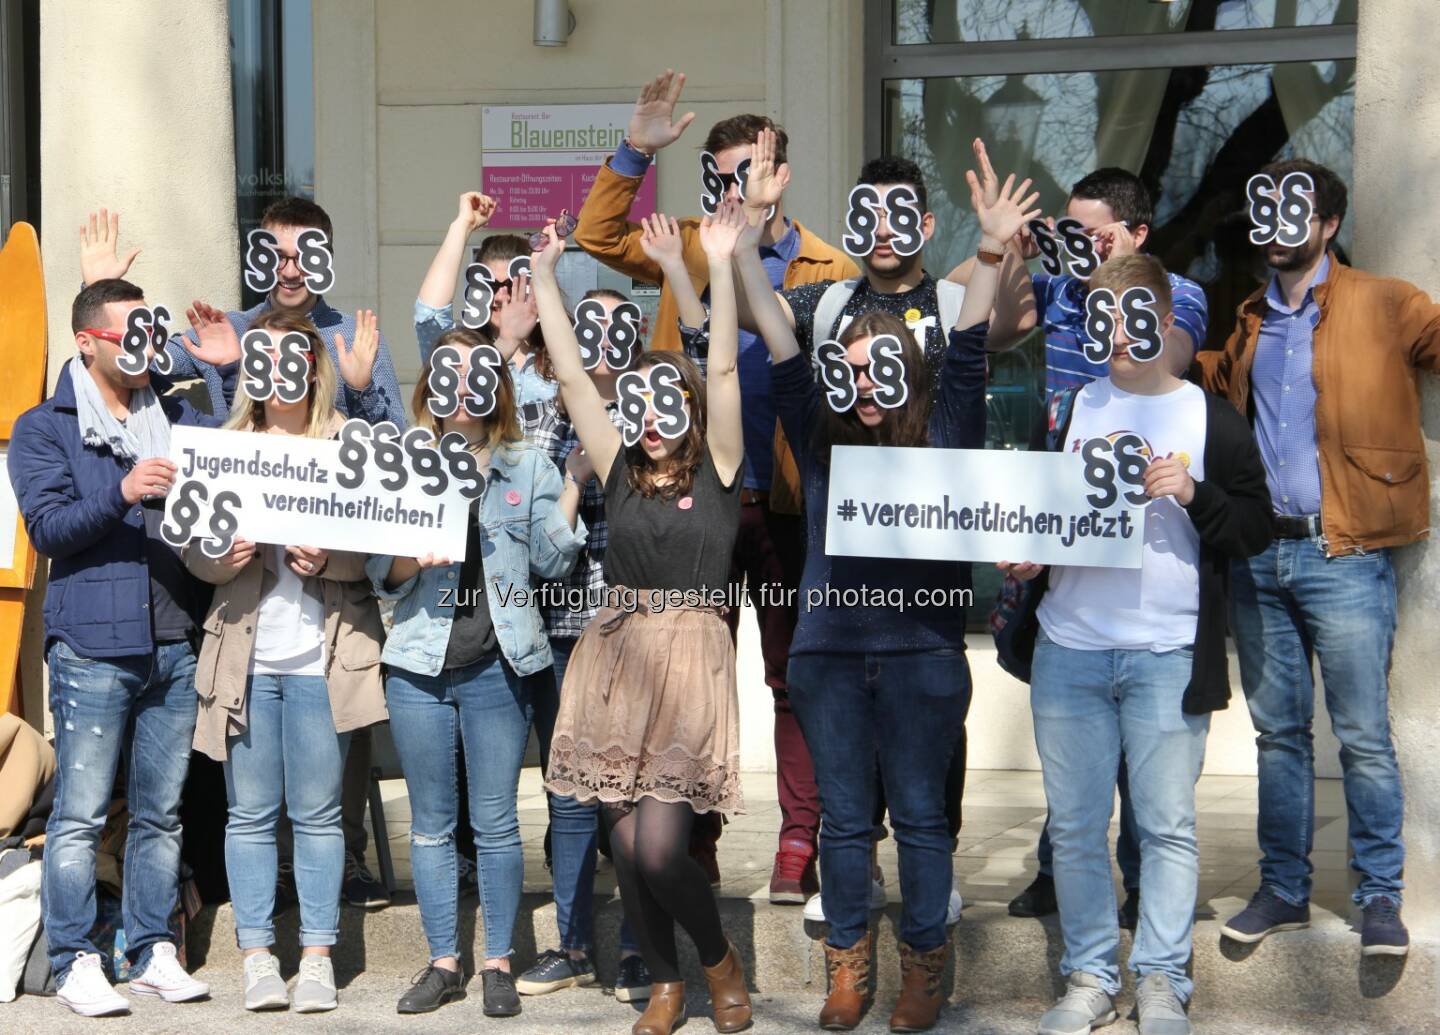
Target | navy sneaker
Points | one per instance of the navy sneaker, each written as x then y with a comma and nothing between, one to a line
553,970
632,980
1383,932
1266,914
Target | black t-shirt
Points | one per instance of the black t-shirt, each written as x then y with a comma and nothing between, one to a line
919,308
680,544
172,590
472,633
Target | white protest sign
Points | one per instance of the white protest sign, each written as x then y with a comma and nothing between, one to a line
979,505
290,490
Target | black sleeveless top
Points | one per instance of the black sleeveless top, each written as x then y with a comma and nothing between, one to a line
681,544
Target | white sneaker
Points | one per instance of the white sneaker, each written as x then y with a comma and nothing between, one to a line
952,912
264,987
87,991
315,988
164,977
815,912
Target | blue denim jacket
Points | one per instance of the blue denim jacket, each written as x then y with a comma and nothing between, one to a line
433,321
522,530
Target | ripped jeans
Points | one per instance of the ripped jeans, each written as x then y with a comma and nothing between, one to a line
144,708
487,706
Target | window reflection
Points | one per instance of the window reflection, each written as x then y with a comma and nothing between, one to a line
955,21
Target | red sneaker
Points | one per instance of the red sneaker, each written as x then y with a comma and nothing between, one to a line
793,880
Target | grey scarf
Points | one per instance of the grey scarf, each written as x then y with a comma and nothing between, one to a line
145,434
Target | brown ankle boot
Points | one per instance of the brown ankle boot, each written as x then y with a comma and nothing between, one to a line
665,1012
920,994
849,985
729,1000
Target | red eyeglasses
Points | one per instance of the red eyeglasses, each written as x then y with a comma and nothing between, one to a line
113,337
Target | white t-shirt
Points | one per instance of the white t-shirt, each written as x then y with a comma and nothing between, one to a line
1152,607
289,625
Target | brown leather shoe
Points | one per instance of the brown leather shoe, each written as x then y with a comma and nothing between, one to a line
665,1012
920,994
729,1000
849,985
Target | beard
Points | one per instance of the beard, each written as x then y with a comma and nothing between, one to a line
1286,260
900,266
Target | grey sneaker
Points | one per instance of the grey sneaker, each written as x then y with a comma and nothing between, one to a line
1085,1005
264,987
1160,1009
315,988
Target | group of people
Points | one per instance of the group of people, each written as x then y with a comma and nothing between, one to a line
1274,484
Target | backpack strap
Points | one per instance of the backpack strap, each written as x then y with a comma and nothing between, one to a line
828,311
949,297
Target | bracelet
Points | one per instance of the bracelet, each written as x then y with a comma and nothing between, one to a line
638,150
570,477
989,258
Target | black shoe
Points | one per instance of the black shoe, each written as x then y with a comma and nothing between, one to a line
1383,932
285,894
360,888
632,980
501,999
431,989
469,878
1130,910
1036,900
1266,914
553,970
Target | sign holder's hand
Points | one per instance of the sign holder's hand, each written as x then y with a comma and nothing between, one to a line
306,561
1169,476
1022,570
242,552
150,478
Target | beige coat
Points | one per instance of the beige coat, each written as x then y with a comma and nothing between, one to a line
353,638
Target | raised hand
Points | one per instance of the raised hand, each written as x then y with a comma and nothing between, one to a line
542,262
1001,219
660,240
216,341
517,314
720,232
98,243
764,186
989,182
651,126
357,363
475,210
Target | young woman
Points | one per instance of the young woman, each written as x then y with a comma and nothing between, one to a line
464,637
648,722
512,313
290,664
567,608
870,681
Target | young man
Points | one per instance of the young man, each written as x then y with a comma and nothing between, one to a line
90,470
1324,362
1116,209
211,352
1137,657
375,396
768,550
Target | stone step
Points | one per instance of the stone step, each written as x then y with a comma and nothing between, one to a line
1317,974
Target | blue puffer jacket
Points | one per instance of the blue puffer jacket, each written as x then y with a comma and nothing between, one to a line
98,600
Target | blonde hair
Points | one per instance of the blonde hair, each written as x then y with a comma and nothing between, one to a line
502,426
247,414
1138,270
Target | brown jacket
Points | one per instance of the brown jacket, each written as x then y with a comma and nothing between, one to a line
1374,337
605,232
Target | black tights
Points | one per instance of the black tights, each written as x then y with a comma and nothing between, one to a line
660,883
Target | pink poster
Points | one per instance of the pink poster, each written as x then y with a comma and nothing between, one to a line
539,160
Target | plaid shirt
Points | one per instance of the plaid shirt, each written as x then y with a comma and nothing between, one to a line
544,426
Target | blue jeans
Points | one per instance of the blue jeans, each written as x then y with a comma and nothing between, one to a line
143,707
487,706
1289,604
288,753
1089,707
908,709
1127,845
574,825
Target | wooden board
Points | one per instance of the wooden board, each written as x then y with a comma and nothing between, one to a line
22,343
